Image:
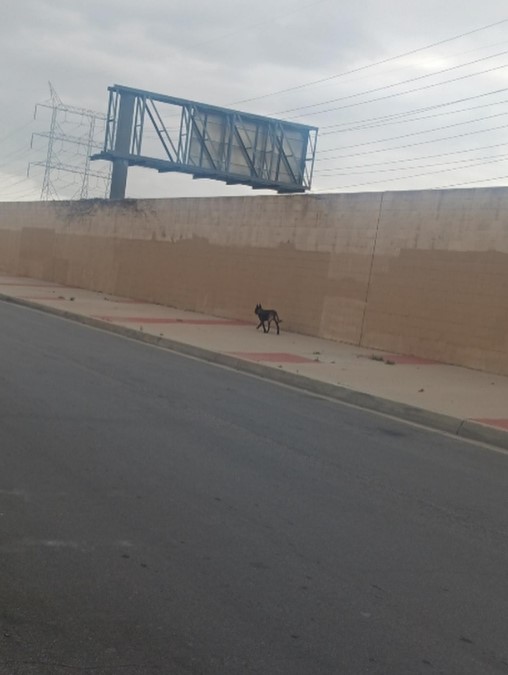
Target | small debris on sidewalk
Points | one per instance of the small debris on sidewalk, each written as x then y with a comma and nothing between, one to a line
381,359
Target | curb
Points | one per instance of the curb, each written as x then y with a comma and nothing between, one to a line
463,428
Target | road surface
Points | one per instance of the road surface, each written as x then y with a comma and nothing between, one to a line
163,515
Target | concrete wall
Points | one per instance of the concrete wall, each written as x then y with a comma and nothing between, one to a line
423,273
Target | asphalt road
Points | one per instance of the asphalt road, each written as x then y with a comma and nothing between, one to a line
163,515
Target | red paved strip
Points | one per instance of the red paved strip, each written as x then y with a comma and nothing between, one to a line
279,357
17,283
409,360
501,423
126,301
40,297
194,322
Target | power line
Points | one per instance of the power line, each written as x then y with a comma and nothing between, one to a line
402,93
345,172
417,175
411,145
452,56
470,182
16,182
372,65
413,133
394,84
16,196
415,159
395,118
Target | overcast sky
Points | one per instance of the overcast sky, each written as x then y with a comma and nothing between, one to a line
426,105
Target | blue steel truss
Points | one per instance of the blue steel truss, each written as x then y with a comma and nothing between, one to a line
170,134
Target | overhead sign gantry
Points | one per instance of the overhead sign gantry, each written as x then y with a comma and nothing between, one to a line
171,134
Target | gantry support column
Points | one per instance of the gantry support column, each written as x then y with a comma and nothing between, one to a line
122,146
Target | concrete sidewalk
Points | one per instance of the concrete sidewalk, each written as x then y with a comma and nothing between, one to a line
465,402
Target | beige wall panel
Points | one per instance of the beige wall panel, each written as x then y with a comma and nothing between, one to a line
439,283
36,253
10,242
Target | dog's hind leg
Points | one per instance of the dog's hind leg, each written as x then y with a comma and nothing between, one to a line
276,318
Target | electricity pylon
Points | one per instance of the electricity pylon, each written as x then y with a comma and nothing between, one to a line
72,137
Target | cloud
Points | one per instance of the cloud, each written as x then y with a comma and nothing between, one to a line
231,50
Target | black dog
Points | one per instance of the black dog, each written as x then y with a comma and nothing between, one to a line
267,316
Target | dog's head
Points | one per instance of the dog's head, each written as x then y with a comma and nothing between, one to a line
258,309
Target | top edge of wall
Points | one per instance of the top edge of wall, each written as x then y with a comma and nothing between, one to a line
130,202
